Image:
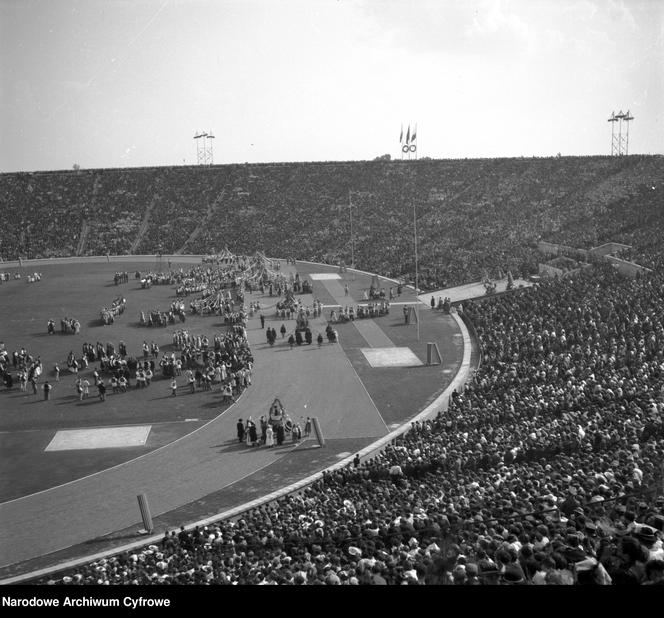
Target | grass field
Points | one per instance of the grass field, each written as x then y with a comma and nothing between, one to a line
28,423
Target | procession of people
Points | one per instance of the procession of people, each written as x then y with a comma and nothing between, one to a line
220,362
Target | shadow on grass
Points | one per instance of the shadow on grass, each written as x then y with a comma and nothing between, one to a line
88,401
231,446
13,392
170,396
304,446
215,404
67,399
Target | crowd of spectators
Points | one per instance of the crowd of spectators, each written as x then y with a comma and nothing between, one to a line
635,221
545,469
180,201
473,216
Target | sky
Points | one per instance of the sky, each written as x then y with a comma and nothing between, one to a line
126,83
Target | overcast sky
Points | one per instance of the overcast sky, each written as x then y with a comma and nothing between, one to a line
116,83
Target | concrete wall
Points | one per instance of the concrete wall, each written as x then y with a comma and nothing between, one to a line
97,259
602,252
629,269
547,270
609,248
549,248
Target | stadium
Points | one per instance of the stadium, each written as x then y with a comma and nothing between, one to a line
419,371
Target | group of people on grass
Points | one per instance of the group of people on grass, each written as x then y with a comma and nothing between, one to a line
371,309
22,368
68,326
155,317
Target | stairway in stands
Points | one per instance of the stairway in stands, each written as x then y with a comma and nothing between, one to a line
204,223
83,239
85,226
146,221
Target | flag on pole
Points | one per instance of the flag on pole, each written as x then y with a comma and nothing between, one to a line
408,135
401,136
412,139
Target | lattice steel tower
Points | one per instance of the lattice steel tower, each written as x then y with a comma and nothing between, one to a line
626,119
201,148
208,148
620,142
615,145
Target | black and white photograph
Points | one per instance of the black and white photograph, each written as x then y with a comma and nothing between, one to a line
329,293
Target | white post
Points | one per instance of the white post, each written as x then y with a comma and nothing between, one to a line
352,240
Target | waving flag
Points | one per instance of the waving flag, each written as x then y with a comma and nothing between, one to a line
401,136
412,139
408,135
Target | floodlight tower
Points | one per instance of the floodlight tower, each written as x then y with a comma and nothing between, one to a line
208,149
614,140
627,119
620,115
200,148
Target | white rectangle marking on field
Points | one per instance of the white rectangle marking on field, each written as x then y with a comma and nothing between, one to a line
391,357
100,437
324,276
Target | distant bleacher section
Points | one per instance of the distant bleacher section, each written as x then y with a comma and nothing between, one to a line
474,216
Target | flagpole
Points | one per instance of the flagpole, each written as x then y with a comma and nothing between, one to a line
408,142
417,284
352,242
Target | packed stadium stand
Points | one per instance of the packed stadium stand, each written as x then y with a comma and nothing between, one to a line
545,470
474,216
